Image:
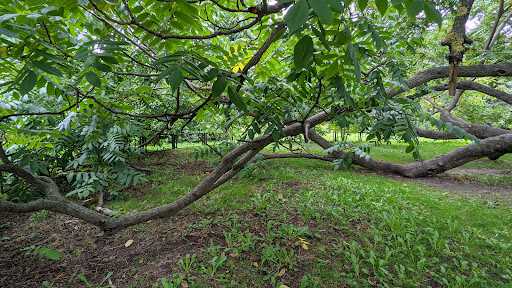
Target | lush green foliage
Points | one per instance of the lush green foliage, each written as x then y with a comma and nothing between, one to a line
103,73
332,228
86,85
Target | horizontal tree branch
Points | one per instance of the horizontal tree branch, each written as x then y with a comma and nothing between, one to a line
297,155
488,90
489,147
438,135
229,166
478,130
482,70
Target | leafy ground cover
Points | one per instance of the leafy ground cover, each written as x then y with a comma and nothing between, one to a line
281,223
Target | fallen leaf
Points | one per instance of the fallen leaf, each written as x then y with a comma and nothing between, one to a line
304,244
281,272
128,243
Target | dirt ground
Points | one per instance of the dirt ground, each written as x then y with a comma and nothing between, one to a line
156,246
456,181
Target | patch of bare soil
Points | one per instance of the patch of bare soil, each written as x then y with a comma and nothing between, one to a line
168,160
154,253
173,160
197,167
454,182
156,248
478,171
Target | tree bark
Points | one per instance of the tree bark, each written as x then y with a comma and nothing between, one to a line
478,130
458,157
437,135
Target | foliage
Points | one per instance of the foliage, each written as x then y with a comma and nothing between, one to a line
363,229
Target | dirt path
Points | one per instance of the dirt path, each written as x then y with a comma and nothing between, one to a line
458,181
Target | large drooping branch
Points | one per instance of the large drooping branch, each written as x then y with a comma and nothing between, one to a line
490,147
229,166
420,78
235,160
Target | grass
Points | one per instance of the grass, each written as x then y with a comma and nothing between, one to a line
299,223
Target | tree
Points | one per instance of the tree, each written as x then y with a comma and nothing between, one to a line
82,80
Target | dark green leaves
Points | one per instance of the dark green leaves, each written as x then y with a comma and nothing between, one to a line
382,6
341,91
398,5
47,68
297,15
92,78
28,82
352,54
102,67
432,14
361,4
174,77
219,86
343,37
303,52
414,7
322,10
236,99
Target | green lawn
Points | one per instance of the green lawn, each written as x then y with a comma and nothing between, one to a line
300,223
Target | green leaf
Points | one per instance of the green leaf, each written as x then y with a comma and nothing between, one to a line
321,37
297,15
382,6
414,7
343,37
47,68
432,14
398,5
102,67
335,5
93,79
379,42
109,59
340,87
342,91
303,52
28,83
322,10
219,86
49,253
174,77
361,4
236,99
352,54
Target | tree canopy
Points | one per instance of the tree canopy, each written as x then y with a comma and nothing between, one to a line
87,83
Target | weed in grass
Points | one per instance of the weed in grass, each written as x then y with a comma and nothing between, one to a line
187,263
39,216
